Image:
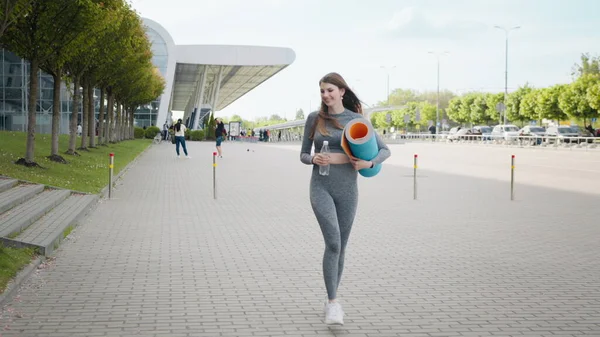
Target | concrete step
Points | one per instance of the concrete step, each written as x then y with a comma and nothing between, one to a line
18,194
19,217
51,229
6,184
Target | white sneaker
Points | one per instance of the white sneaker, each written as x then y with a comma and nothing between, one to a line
334,315
188,157
178,156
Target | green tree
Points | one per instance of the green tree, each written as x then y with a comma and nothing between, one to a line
588,65
492,100
547,103
373,119
479,109
428,113
275,118
513,104
31,37
108,34
593,96
236,118
397,117
405,96
400,97
431,97
135,65
466,106
378,119
106,30
574,99
528,105
299,114
11,11
77,18
210,128
455,110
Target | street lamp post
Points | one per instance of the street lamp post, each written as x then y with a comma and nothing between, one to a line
437,111
506,31
388,82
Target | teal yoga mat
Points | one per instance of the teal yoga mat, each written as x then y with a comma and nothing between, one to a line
358,140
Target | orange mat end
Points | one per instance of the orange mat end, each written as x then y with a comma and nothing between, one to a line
358,131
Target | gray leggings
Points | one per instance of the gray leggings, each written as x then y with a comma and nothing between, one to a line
334,199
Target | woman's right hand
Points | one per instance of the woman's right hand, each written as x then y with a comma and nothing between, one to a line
321,159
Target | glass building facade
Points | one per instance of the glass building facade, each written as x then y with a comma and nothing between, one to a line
14,93
14,97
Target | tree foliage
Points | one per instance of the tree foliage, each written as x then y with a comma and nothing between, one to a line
11,11
574,99
588,65
94,43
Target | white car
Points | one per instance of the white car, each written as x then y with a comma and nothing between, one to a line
505,132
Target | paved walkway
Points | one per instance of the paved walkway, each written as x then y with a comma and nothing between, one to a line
164,259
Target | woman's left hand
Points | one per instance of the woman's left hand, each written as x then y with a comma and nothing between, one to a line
360,164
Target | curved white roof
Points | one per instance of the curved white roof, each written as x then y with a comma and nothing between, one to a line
242,69
234,55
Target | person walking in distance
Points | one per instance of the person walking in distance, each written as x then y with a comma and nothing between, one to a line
219,134
334,192
180,138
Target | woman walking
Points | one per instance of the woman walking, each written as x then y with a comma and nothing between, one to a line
219,134
180,138
334,197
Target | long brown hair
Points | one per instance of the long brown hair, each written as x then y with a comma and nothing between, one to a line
349,100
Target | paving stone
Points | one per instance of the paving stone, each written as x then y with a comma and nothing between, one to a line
163,258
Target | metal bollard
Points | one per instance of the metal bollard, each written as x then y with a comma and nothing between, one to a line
512,177
415,179
214,175
111,166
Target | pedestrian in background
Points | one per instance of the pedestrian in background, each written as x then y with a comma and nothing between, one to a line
180,138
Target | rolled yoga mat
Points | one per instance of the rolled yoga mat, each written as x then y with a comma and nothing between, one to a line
358,140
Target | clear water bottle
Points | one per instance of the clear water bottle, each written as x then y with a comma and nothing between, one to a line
324,170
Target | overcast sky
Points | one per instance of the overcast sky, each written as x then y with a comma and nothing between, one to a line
357,37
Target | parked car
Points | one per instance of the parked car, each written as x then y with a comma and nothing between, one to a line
531,134
506,132
583,133
462,134
561,134
483,130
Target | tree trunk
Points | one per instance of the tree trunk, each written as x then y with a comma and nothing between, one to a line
54,156
84,116
109,119
118,122
101,128
92,116
55,115
125,122
31,114
74,118
131,128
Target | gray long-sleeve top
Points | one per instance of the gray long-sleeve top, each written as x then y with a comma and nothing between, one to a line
334,138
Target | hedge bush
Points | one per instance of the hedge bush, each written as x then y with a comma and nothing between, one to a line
197,135
151,132
138,133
